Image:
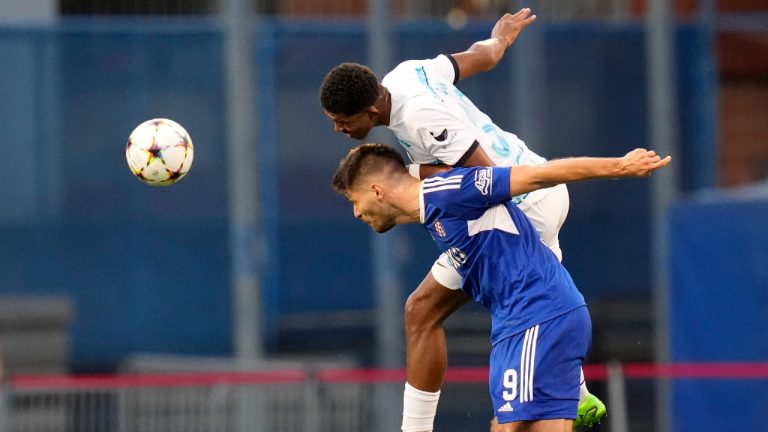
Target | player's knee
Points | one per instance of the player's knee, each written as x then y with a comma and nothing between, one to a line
411,311
417,313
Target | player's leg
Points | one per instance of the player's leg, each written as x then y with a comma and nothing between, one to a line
427,357
591,409
560,425
534,375
547,210
425,310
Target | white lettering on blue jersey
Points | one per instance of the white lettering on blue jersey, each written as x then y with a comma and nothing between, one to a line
483,180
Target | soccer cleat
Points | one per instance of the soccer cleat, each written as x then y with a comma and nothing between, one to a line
591,411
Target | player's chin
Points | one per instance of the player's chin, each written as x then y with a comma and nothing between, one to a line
382,228
359,135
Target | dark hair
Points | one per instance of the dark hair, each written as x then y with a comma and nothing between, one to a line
348,89
366,159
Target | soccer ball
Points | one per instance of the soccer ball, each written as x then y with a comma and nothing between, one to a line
159,152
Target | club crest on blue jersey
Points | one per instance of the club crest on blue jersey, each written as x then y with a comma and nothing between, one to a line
483,180
439,229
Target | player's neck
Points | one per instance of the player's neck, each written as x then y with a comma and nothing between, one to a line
384,105
407,200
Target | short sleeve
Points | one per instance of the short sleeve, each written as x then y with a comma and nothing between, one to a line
446,67
466,192
491,184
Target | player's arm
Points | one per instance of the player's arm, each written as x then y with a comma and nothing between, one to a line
637,163
474,156
484,55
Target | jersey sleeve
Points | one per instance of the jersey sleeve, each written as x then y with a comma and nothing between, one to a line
442,66
467,192
445,66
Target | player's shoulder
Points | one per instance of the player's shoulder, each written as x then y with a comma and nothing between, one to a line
460,190
410,68
479,176
437,186
452,178
399,72
421,106
419,113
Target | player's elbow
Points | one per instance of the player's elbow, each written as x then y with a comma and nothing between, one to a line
524,179
487,62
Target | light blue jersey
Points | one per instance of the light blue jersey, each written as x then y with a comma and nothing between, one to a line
436,123
498,253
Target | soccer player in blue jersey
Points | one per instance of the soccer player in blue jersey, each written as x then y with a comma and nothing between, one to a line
541,330
437,124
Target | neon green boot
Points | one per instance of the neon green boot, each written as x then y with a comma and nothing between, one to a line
591,412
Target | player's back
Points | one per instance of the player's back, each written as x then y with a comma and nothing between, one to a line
436,123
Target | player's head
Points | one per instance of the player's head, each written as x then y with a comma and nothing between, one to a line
349,94
367,176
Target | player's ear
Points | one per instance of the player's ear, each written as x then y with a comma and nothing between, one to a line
377,190
372,110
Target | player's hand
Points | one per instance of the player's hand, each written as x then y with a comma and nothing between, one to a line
509,26
641,163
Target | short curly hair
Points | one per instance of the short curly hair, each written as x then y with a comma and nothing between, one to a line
366,159
348,89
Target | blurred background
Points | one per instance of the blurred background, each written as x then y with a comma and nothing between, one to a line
252,265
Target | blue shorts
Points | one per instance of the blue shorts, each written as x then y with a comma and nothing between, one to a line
535,374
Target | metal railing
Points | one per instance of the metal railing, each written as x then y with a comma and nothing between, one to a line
337,400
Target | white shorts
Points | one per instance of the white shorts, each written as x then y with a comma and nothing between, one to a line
545,208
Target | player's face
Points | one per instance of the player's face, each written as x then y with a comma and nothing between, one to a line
355,126
368,206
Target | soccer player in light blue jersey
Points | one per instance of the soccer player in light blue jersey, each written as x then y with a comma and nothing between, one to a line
438,125
541,330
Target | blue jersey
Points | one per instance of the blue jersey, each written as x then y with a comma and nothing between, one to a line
498,253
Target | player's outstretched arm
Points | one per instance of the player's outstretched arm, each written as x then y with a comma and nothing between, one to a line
637,163
484,55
